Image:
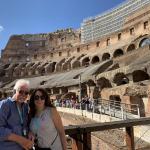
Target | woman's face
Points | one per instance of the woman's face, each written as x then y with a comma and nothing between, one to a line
39,100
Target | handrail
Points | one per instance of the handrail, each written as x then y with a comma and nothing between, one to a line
84,131
107,125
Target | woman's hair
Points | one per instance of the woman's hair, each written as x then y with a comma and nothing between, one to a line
31,102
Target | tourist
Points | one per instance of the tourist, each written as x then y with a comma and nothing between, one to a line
46,124
13,119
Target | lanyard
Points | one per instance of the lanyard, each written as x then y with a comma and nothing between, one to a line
21,114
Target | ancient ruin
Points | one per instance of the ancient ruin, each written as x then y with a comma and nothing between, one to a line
107,58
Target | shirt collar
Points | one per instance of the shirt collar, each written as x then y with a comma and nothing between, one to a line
10,98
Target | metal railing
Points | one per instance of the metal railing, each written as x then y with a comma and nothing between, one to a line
81,134
111,108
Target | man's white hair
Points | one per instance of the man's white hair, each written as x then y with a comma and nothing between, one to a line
20,83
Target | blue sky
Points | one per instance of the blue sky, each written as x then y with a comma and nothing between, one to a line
43,16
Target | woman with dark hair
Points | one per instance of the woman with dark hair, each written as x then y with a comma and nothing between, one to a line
46,124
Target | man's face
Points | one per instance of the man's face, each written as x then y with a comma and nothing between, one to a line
22,94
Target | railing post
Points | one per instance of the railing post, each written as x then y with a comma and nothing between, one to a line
100,110
122,113
109,112
87,141
138,110
93,110
77,138
130,138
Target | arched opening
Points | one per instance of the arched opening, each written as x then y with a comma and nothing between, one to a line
144,42
115,102
43,71
81,56
69,95
103,83
140,75
55,90
90,82
76,64
64,90
6,66
85,61
96,93
137,101
117,53
105,56
59,65
95,59
120,79
83,90
53,66
131,47
66,66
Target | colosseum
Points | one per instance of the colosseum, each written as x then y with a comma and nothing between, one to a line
106,58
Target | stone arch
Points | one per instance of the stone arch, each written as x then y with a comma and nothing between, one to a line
117,53
76,64
32,69
12,69
53,65
82,55
85,61
95,59
144,42
103,83
6,66
115,101
90,82
66,66
41,68
120,79
69,95
83,90
96,93
139,75
59,65
105,56
64,90
50,67
131,47
16,71
137,100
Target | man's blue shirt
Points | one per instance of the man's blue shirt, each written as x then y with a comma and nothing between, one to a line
10,122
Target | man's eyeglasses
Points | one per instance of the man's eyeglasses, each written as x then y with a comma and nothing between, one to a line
37,97
23,92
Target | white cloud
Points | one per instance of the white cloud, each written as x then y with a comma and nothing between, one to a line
1,28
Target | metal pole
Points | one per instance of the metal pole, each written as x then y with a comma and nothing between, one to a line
80,88
138,110
122,113
130,138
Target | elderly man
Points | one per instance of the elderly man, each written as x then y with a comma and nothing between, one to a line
14,118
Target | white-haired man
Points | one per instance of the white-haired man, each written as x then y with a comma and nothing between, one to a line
14,119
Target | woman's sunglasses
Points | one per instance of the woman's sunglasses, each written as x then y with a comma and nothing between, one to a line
37,97
23,92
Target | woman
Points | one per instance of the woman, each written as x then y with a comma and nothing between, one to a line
46,124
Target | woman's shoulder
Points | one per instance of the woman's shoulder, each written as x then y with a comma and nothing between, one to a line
50,110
